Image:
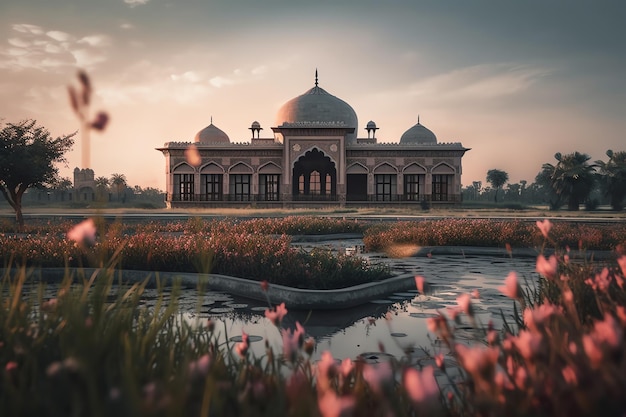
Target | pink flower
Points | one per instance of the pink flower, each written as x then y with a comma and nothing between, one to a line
242,347
421,386
511,288
265,285
465,304
83,232
545,227
325,369
378,375
622,264
419,283
478,361
276,314
346,367
331,405
547,267
200,367
292,341
534,317
193,156
10,366
569,375
528,343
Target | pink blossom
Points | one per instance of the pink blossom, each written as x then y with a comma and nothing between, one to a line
569,375
465,304
476,294
346,367
608,331
528,343
592,350
10,366
511,288
534,317
547,267
83,232
193,156
200,367
622,264
292,341
545,227
242,347
326,367
478,361
276,314
421,386
419,283
602,281
331,405
378,375
439,361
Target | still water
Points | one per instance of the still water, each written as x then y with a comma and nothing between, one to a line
390,326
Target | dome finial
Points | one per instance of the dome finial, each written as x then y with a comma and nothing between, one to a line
316,77
212,119
418,119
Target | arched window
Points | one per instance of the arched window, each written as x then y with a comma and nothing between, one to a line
315,183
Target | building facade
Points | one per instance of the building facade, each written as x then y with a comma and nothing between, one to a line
313,158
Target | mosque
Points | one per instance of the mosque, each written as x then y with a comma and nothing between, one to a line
313,158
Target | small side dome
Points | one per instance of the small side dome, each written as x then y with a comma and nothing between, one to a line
212,134
371,125
418,134
255,125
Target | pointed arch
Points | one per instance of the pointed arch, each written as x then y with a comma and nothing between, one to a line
270,168
183,168
443,168
241,168
414,168
212,168
385,168
357,168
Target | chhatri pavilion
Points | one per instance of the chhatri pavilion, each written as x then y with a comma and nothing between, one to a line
313,158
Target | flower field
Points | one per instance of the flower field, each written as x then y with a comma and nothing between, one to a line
93,349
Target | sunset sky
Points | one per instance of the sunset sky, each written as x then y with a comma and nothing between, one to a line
514,81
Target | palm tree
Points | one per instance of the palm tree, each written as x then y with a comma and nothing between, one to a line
102,186
572,178
497,178
613,178
119,181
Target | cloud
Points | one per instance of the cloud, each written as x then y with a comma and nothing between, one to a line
95,40
57,35
126,26
190,76
481,82
219,81
26,28
51,50
135,3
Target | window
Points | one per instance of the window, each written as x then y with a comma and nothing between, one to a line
211,187
240,187
413,185
385,186
301,184
269,187
315,184
184,187
440,187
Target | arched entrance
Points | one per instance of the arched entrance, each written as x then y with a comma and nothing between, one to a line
314,177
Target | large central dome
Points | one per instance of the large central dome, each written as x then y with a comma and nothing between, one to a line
317,105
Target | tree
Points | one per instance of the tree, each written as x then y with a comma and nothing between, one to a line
497,178
613,178
119,181
572,178
28,154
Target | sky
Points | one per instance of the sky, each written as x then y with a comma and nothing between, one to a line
515,81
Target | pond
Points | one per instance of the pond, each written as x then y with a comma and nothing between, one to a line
391,326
